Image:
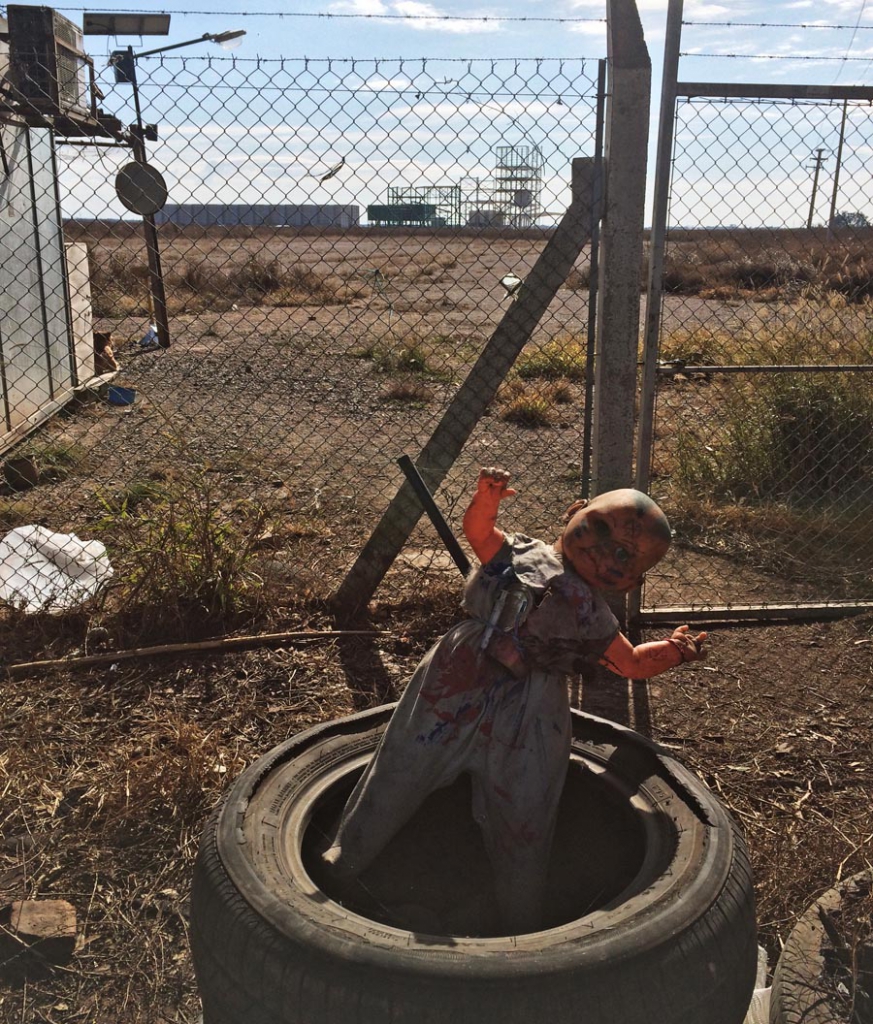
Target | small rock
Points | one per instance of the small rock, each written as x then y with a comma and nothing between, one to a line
98,635
39,931
22,473
21,843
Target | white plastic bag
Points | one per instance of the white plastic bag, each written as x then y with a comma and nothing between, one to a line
759,1008
53,572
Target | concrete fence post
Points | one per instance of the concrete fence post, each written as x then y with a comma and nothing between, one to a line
621,254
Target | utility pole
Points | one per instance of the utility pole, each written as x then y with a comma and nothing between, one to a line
819,160
837,171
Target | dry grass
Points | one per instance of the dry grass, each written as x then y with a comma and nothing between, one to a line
562,358
120,287
106,777
770,264
775,468
106,780
408,392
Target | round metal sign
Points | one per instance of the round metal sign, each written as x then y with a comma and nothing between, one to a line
141,188
523,198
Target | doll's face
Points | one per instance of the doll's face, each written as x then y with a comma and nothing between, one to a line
614,539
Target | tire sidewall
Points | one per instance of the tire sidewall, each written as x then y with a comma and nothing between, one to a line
801,993
653,918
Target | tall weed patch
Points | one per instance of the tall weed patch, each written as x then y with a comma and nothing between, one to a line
801,439
187,559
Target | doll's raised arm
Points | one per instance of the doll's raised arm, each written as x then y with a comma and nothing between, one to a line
650,659
480,519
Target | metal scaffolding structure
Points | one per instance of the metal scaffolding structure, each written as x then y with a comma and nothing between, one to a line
511,197
445,200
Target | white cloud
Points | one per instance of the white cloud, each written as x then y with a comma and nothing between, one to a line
424,17
597,29
360,7
709,11
423,13
390,84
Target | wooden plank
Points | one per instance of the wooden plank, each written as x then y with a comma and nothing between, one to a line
478,390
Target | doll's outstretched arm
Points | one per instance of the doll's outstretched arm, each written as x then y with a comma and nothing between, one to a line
480,519
650,659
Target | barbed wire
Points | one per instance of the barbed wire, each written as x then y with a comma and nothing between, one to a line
773,101
400,61
410,66
370,17
770,24
773,56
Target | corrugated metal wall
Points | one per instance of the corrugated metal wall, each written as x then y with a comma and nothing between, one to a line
36,369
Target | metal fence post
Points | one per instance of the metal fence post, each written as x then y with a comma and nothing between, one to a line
618,318
658,242
657,253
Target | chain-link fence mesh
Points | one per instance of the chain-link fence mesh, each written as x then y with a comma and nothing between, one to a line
337,249
764,414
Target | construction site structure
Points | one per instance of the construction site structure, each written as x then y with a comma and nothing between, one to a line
511,197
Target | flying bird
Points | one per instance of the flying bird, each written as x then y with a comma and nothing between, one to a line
333,171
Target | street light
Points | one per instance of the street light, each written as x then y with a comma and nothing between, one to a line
207,37
124,63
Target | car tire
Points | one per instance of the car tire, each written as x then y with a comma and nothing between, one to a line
804,988
650,912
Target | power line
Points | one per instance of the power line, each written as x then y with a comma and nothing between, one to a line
852,40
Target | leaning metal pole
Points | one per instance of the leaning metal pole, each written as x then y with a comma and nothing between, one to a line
471,400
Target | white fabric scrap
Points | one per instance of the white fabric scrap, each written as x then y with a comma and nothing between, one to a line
45,571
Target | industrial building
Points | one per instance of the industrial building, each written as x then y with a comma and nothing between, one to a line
285,215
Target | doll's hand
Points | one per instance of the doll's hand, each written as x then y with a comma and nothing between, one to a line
690,647
480,519
493,485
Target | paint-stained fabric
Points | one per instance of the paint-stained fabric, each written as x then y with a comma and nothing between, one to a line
491,699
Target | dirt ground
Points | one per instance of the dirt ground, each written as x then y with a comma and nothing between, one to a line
108,773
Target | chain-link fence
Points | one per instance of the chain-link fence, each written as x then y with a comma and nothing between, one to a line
341,240
764,415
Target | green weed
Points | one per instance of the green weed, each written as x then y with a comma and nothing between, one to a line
14,513
186,557
525,406
801,439
561,358
402,357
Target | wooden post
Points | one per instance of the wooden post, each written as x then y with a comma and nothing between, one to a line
467,407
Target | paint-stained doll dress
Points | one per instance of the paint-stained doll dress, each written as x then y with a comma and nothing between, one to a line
491,699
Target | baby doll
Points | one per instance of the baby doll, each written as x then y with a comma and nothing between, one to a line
491,698
104,357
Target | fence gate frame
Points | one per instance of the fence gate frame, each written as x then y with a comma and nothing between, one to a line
607,210
671,90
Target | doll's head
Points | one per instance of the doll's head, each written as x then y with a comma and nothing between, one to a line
613,539
102,340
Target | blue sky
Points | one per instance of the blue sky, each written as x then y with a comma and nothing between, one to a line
420,29
243,166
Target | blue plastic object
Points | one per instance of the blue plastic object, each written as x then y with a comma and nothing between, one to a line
117,395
